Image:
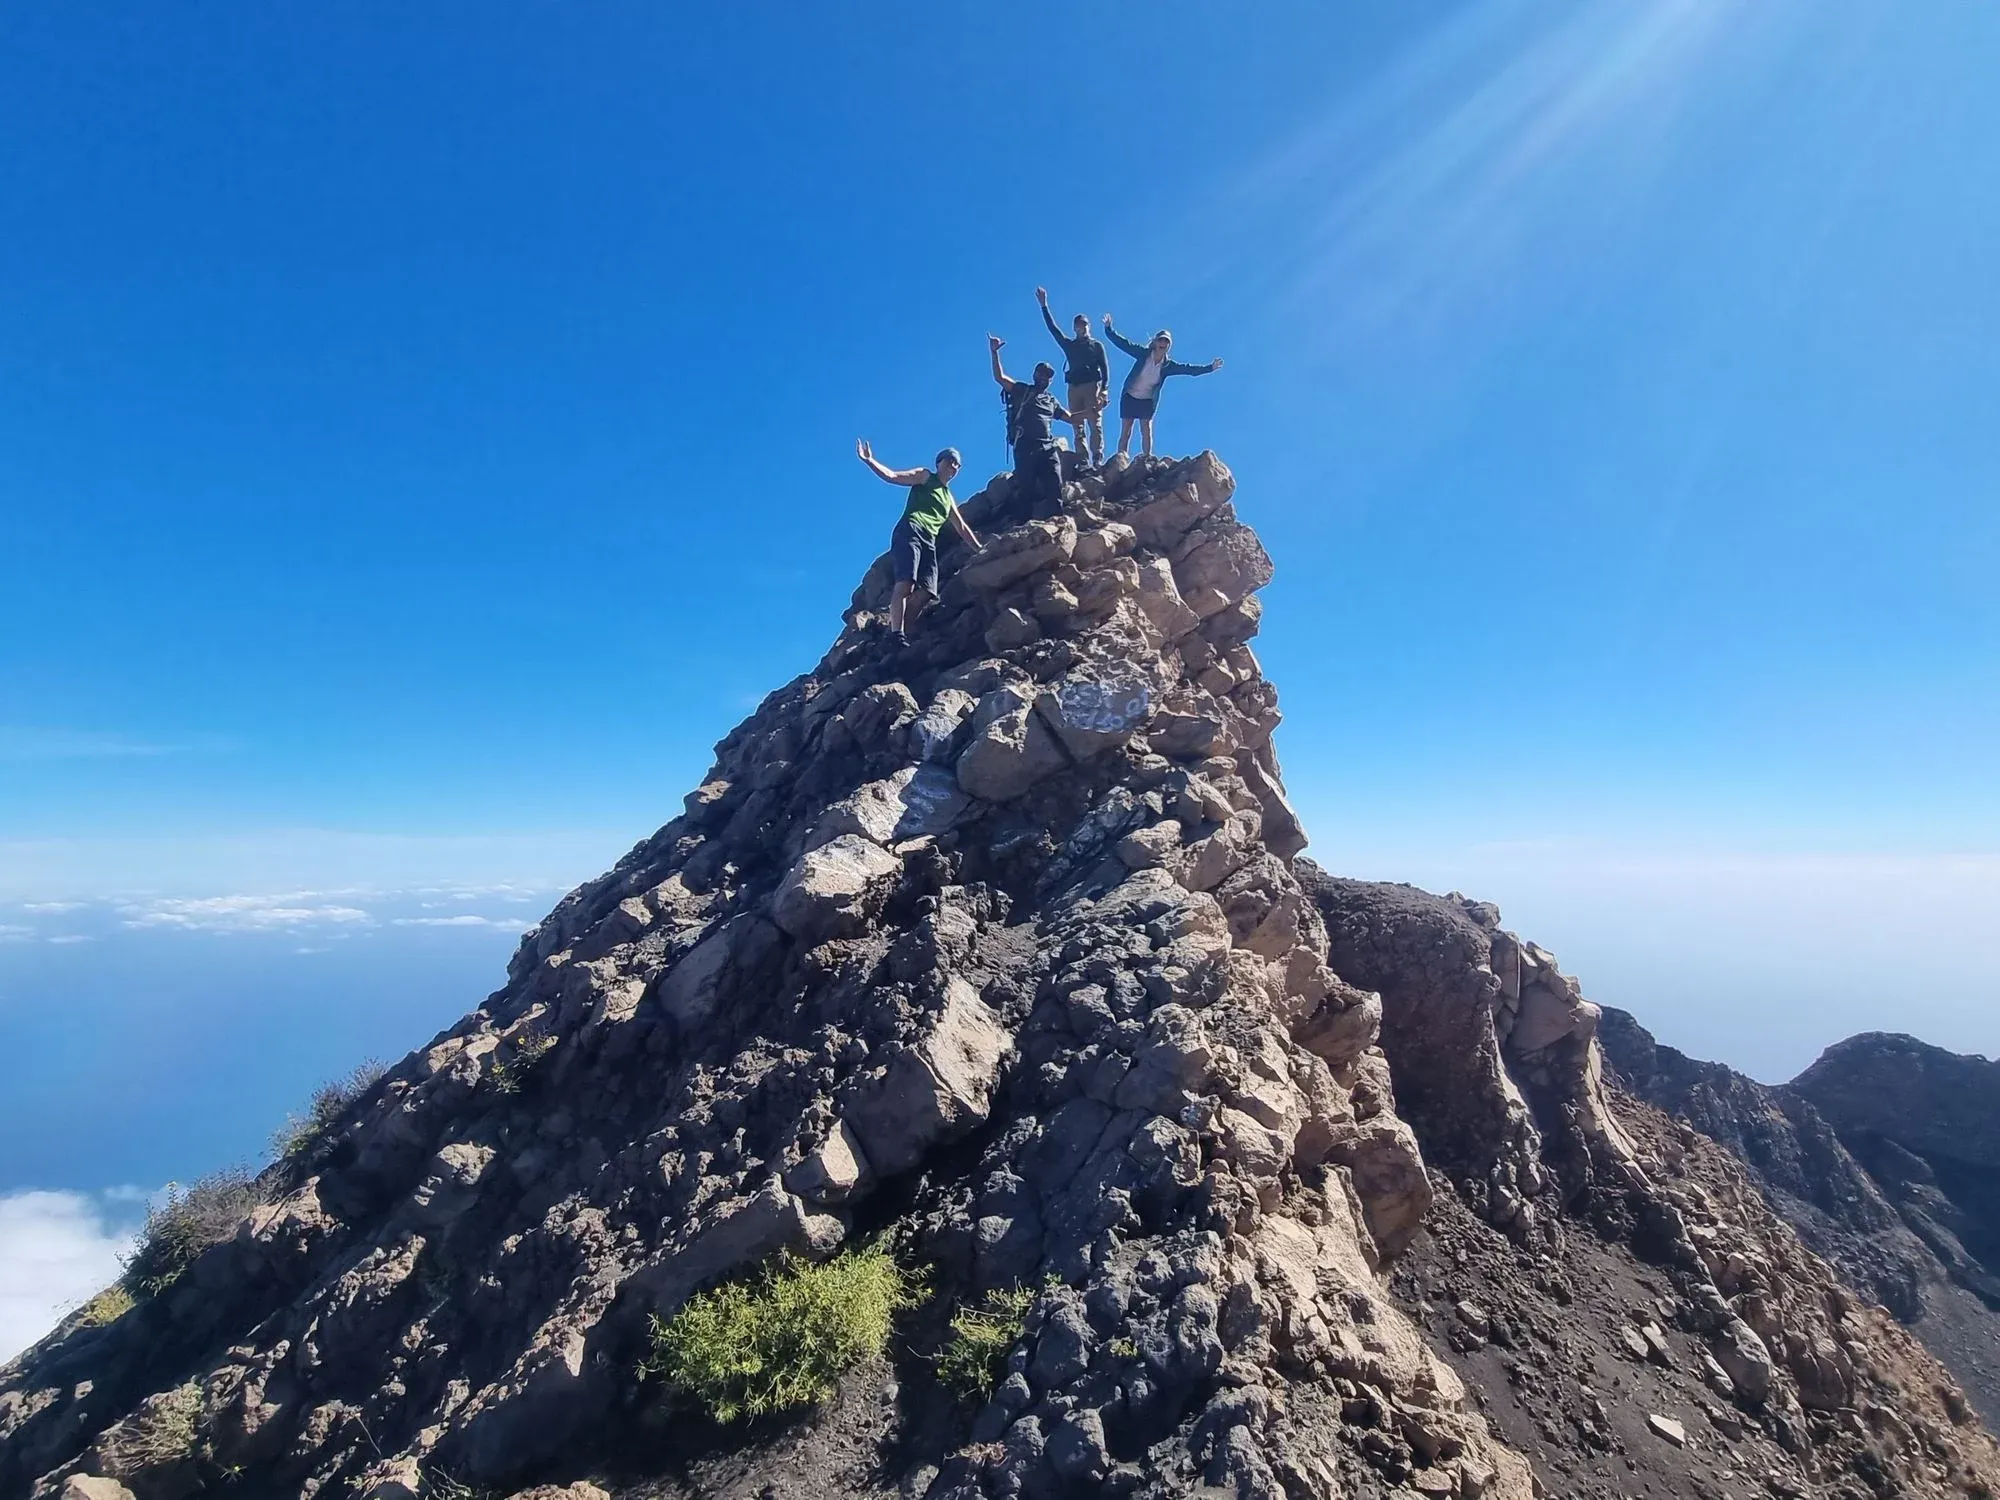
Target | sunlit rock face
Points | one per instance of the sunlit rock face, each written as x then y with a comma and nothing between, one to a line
995,943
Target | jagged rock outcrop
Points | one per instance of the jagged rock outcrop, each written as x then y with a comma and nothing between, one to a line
996,944
1926,1124
1864,1183
1604,1275
992,940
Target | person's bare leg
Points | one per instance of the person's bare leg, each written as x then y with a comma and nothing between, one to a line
899,604
1146,437
918,600
1125,435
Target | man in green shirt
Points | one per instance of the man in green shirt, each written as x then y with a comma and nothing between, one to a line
913,544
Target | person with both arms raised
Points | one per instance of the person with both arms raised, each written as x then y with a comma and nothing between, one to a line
1031,417
1088,374
1141,395
913,552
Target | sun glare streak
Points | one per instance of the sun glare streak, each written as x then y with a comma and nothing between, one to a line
1431,186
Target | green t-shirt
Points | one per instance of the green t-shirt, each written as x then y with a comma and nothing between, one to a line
930,505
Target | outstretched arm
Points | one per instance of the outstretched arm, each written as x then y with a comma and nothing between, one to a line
1121,341
1056,333
866,452
1175,367
1001,377
958,524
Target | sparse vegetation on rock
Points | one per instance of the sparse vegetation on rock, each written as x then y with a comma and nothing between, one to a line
974,1357
189,1221
782,1338
300,1133
163,1432
512,1070
108,1306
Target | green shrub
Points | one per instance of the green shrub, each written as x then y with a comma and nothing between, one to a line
510,1072
186,1224
782,1338
164,1434
974,1359
299,1134
108,1306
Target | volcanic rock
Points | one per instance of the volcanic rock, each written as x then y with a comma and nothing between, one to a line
994,945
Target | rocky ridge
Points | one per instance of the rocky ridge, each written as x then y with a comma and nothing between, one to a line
997,930
1882,1155
1611,1282
997,944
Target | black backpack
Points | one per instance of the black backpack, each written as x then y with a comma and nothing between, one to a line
1014,401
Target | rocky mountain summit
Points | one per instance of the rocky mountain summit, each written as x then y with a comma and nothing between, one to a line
1884,1155
996,948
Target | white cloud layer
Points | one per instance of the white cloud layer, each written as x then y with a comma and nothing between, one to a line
57,1250
49,870
464,919
307,913
285,912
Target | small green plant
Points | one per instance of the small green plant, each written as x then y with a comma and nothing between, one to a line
187,1223
108,1306
1124,1349
164,1433
300,1133
782,1338
510,1072
974,1358
439,1485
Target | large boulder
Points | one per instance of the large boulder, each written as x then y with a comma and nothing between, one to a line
1091,714
1013,555
938,1089
1009,754
1160,600
692,990
833,890
834,1170
1166,517
1219,565
915,801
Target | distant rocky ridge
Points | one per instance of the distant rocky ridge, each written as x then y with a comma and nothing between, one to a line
998,945
1884,1155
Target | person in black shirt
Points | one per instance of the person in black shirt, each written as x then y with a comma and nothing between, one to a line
1088,375
1031,417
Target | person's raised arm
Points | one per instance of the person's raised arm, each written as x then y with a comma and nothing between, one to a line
866,452
1056,333
959,525
1121,341
1000,376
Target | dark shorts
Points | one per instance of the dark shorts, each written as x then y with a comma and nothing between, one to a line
913,557
1136,408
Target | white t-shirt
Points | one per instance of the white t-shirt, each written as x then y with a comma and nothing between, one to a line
1146,379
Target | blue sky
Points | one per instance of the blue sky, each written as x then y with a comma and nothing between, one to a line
424,432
